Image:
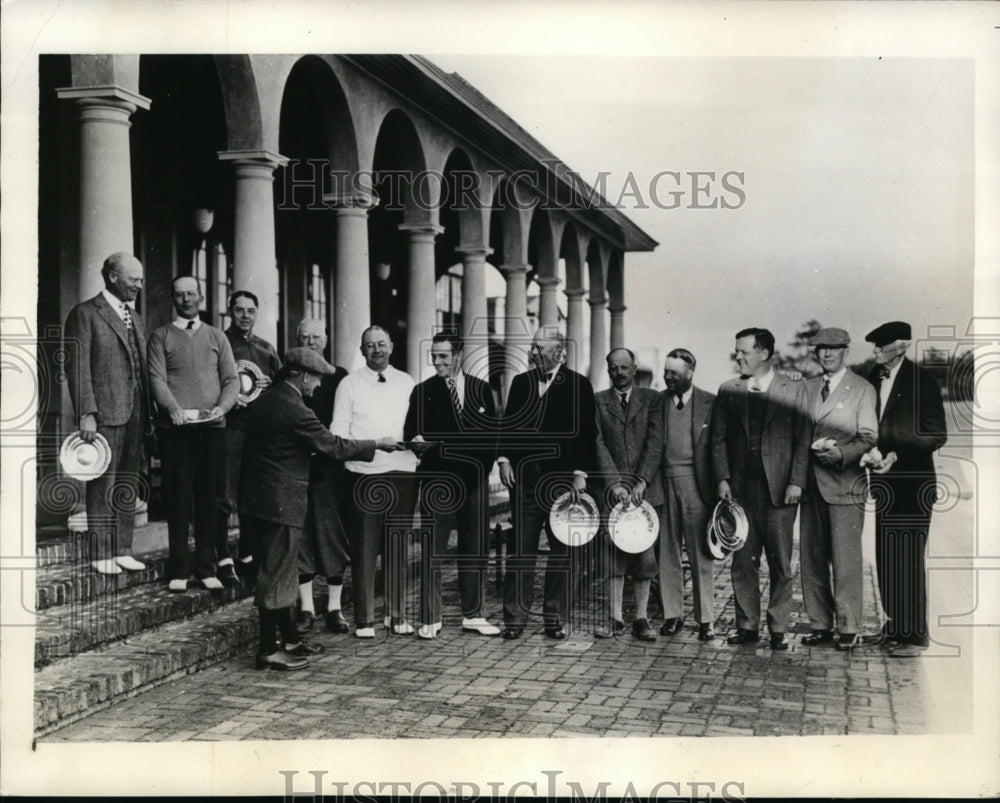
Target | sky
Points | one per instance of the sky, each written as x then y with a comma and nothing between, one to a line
857,175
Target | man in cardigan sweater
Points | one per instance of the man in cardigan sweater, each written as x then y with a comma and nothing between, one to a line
191,366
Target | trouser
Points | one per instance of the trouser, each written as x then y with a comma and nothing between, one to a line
519,579
463,504
191,464
229,487
381,520
111,498
276,557
830,539
902,520
325,546
683,522
770,532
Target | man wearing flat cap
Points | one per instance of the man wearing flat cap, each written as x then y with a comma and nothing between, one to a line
273,496
842,410
911,427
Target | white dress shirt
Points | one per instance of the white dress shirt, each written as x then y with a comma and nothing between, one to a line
117,304
182,323
762,383
885,389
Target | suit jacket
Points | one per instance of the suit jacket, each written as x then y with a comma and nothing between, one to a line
468,442
784,441
702,403
282,434
847,416
913,423
629,446
101,380
321,402
554,433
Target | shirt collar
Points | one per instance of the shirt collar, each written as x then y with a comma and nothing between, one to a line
686,396
373,375
182,323
628,393
764,382
115,302
836,376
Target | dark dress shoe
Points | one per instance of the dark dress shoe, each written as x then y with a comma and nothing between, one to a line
742,636
510,633
304,621
642,631
705,632
671,627
778,642
848,641
304,649
817,637
281,661
557,632
228,577
336,623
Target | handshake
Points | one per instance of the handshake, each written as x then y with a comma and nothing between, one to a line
874,460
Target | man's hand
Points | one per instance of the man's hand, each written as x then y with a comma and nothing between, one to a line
387,444
724,491
830,457
887,462
177,418
793,493
240,402
216,412
620,494
419,448
639,492
264,382
579,486
507,476
88,428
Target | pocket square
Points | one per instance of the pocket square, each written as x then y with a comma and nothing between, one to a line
840,405
482,409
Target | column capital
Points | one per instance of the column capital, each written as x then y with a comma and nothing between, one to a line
105,93
597,302
574,292
413,229
260,158
473,251
510,271
617,308
358,202
547,281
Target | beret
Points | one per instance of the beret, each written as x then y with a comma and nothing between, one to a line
889,333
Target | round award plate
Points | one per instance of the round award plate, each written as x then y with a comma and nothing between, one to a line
633,528
85,461
574,524
249,374
193,417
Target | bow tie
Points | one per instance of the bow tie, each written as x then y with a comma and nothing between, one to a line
884,372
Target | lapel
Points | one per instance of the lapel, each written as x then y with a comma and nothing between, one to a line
699,412
117,325
634,404
902,386
837,395
742,391
775,394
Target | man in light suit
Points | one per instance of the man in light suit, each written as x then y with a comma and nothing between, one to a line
689,493
760,457
629,446
456,411
108,387
842,410
911,428
546,447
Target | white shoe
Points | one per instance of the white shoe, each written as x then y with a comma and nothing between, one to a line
400,628
212,583
130,563
365,632
480,626
429,631
178,585
106,566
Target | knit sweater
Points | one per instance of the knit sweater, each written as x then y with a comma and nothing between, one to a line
193,370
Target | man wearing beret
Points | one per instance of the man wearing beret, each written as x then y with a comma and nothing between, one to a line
842,409
911,428
273,495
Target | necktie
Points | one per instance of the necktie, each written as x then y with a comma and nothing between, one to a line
454,395
190,324
126,317
381,377
680,403
623,398
883,372
826,388
754,387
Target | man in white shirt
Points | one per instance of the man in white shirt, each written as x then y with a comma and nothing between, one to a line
371,403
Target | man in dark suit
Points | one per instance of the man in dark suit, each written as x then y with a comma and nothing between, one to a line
688,491
273,497
456,412
108,387
760,456
325,546
546,447
911,428
842,411
629,446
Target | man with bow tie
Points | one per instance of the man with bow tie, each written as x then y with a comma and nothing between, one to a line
911,427
760,458
844,427
455,411
546,447
108,387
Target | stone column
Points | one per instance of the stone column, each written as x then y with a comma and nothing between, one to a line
598,342
618,326
255,266
574,329
516,335
548,306
105,177
475,323
421,301
352,299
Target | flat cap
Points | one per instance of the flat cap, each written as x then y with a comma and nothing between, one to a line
889,333
830,336
304,359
